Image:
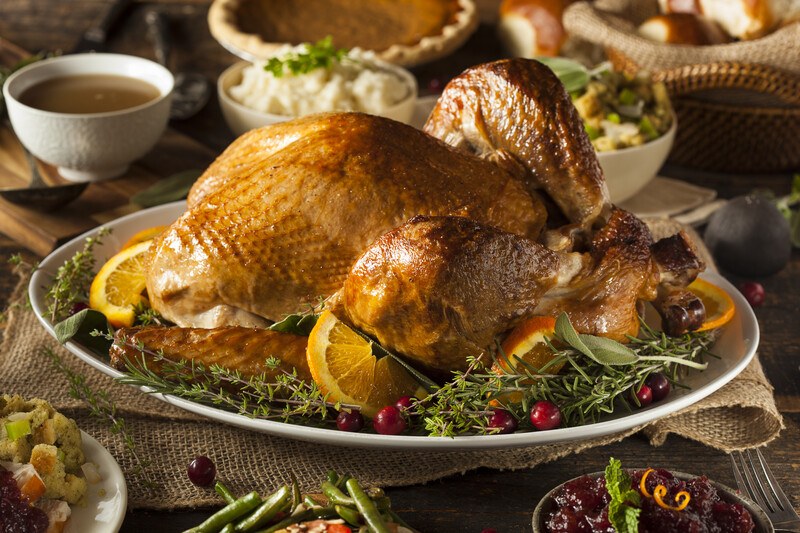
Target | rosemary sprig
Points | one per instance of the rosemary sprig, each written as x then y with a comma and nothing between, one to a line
282,396
101,406
584,390
72,280
321,54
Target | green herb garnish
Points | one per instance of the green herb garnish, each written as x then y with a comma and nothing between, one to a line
321,54
623,511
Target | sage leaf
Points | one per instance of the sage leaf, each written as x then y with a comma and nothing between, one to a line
608,351
296,324
379,351
79,328
566,332
572,74
170,189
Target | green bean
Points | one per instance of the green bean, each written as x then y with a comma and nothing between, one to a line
342,480
227,529
266,511
297,498
382,504
310,502
335,496
228,514
333,477
310,514
366,507
350,515
223,491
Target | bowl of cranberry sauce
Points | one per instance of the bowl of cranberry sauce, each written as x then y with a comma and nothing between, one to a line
581,505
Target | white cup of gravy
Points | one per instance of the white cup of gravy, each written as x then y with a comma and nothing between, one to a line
90,115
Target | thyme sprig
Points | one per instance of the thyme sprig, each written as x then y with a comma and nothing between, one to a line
271,395
102,407
72,280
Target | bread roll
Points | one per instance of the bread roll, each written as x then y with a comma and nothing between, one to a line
529,28
742,19
683,28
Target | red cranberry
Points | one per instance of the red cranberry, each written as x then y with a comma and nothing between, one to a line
504,421
202,471
77,307
404,403
659,386
435,85
753,292
644,396
389,421
545,415
352,421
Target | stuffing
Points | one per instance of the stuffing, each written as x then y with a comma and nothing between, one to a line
51,442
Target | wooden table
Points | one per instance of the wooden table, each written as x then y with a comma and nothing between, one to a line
484,498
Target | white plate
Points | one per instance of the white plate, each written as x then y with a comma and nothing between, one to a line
737,346
108,499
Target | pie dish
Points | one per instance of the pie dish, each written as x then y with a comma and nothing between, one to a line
404,32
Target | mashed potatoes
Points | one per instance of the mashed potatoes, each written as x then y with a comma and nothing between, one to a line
359,82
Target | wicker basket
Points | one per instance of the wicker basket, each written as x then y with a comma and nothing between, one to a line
738,105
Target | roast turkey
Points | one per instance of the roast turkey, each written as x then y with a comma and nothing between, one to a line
278,222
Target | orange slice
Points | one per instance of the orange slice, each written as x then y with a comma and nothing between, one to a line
144,235
527,342
343,366
117,289
719,305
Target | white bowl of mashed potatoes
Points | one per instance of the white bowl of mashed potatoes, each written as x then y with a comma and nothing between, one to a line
251,96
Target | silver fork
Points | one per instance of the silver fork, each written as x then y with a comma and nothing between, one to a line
755,479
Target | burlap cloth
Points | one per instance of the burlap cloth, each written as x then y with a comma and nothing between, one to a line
741,415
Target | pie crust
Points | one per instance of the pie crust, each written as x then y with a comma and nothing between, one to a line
404,32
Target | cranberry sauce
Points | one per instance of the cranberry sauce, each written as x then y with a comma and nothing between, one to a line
16,514
581,506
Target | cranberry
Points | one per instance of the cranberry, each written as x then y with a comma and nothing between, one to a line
659,386
404,403
643,396
352,421
753,292
77,307
389,421
504,421
545,415
435,85
202,471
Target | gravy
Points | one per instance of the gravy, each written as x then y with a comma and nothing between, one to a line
89,93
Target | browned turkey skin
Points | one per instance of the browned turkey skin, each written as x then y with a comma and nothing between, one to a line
286,211
438,289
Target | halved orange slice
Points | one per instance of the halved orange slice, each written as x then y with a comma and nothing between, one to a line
527,342
343,366
117,288
719,305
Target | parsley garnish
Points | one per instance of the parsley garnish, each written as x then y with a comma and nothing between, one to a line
623,511
318,55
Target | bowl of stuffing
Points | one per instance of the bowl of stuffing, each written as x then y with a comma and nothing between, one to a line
654,498
629,120
313,78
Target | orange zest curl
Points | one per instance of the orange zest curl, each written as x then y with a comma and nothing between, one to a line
682,498
642,486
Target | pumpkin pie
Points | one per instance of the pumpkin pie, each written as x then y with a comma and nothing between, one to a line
404,32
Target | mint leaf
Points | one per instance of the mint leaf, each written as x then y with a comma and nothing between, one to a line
622,509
